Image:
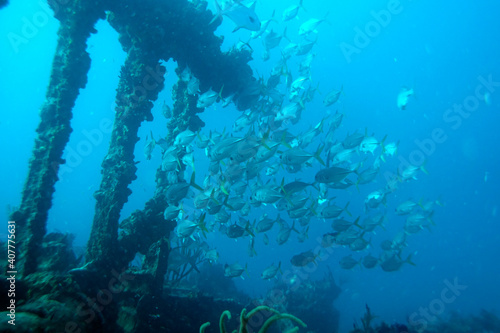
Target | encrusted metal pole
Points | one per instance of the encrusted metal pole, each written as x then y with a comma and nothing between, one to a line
69,74
141,79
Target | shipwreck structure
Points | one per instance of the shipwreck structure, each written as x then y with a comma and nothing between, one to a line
149,32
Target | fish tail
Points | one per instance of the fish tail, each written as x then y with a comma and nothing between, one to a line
383,226
319,127
283,186
383,145
429,218
285,36
202,225
419,203
220,93
212,197
223,188
193,184
317,155
357,224
408,260
424,170
306,233
249,229
302,6
265,137
283,141
313,208
345,208
218,14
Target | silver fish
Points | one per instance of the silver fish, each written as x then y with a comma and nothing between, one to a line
244,17
271,271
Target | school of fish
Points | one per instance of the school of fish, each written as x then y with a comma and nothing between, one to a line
264,162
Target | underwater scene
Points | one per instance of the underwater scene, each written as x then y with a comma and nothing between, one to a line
249,166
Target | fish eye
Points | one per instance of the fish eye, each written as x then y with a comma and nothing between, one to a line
251,19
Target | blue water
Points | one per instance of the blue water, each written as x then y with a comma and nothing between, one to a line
445,52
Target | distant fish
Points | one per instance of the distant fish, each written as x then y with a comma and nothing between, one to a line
234,270
389,149
394,262
310,26
186,228
348,262
172,212
271,271
370,143
403,97
150,145
186,74
193,85
244,17
331,175
370,261
166,110
208,98
333,96
303,259
273,39
263,27
184,138
292,11
211,255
